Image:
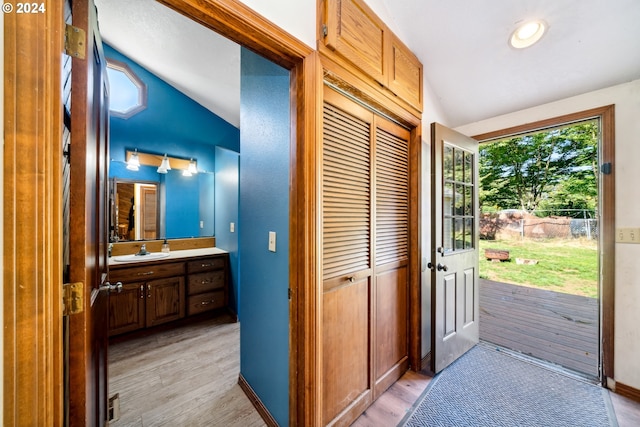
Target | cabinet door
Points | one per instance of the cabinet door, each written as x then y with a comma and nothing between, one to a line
358,35
126,309
405,73
165,300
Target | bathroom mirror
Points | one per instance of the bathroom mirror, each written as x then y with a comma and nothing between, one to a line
171,207
135,210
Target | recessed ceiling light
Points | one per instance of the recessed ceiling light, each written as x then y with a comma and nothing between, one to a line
527,34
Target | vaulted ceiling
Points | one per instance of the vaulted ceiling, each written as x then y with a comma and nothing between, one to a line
473,72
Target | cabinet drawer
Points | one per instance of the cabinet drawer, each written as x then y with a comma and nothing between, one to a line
204,282
204,302
206,264
146,272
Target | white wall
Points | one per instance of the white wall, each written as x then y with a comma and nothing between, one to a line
297,17
626,98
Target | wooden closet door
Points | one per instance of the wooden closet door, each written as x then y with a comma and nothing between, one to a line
346,259
390,322
365,254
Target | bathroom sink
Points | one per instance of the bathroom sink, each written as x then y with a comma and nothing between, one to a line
148,257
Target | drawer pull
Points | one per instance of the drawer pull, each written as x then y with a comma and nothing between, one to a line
207,265
148,290
204,282
207,302
141,291
147,273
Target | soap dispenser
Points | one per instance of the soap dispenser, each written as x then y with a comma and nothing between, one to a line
165,246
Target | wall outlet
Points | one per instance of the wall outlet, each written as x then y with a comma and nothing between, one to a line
272,241
232,227
628,235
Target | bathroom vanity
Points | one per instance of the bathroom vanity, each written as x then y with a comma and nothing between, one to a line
163,288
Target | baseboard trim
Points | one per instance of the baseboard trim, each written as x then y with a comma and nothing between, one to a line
627,391
257,403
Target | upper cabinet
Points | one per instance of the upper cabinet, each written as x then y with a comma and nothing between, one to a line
352,32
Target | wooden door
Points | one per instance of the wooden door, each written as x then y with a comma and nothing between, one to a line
365,199
148,212
165,300
88,225
454,255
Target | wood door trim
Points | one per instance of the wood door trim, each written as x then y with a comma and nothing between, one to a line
606,115
32,217
35,391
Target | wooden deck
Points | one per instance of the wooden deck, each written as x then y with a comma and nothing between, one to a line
552,326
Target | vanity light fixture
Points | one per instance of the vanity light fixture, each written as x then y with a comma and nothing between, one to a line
164,166
527,34
191,170
133,164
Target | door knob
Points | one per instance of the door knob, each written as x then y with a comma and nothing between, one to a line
111,288
442,267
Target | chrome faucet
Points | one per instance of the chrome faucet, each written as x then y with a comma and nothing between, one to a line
143,250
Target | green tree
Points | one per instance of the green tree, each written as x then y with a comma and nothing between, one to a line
555,169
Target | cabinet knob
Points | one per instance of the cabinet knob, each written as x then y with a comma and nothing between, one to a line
207,302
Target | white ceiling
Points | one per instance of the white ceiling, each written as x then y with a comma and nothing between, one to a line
474,73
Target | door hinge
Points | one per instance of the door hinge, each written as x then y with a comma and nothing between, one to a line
290,293
75,43
73,298
325,30
605,168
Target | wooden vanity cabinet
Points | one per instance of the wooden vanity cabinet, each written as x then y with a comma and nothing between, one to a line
152,294
206,284
158,292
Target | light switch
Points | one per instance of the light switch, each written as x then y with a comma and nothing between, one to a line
201,224
232,227
628,235
272,241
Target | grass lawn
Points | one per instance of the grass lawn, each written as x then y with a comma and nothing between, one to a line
569,266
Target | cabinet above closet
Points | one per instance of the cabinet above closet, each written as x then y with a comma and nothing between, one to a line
350,31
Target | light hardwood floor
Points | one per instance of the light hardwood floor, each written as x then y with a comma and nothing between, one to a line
188,375
184,376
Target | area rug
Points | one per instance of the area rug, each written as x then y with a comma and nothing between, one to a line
488,387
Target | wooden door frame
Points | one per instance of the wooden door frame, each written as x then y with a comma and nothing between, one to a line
606,116
32,220
32,253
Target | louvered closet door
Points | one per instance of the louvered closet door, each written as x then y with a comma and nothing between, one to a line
391,254
364,257
346,258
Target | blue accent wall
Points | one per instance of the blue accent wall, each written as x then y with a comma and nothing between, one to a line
226,201
264,207
174,124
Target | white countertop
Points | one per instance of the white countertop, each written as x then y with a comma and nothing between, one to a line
173,255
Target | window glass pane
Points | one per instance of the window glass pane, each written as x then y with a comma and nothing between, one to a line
458,159
447,163
468,200
448,200
459,199
459,231
468,167
468,233
447,234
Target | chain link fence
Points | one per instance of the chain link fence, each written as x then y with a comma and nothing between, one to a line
516,223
